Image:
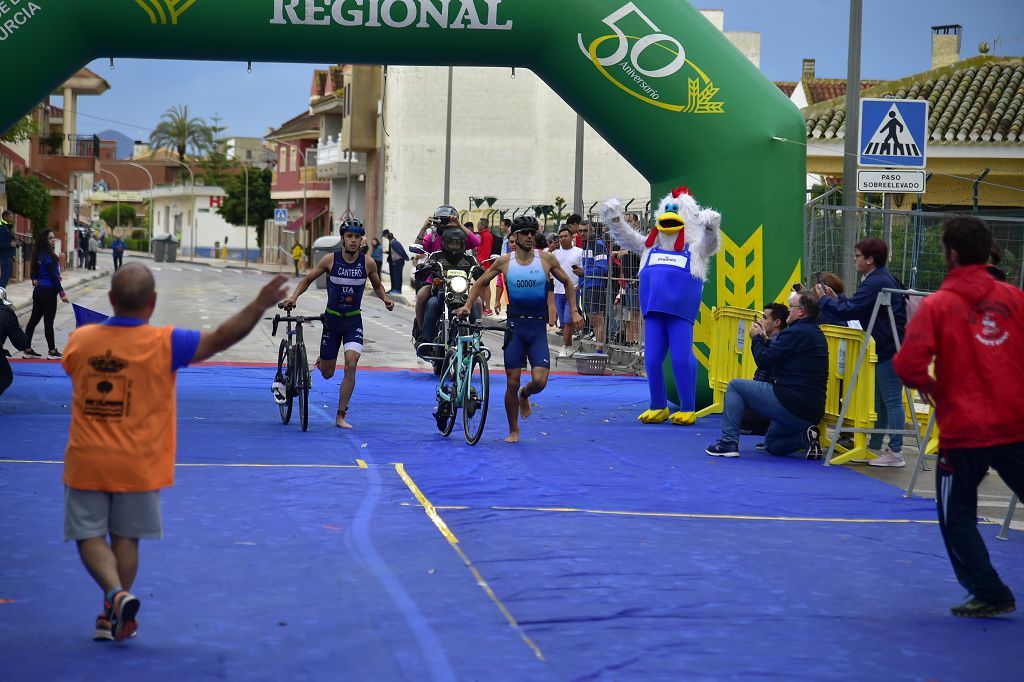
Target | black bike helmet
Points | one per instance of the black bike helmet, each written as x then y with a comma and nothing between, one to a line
525,223
444,214
454,240
351,225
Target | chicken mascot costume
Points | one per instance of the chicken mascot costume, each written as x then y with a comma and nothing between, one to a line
673,266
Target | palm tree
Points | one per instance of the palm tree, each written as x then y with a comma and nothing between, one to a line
177,131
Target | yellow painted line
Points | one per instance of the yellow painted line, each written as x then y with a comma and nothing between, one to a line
361,463
431,511
427,507
209,465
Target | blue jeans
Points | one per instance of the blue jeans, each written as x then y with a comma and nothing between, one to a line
787,433
888,407
564,307
432,313
6,267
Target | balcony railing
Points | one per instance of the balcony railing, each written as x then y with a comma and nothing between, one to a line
332,160
79,145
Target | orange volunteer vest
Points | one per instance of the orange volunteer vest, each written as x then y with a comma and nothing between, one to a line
124,411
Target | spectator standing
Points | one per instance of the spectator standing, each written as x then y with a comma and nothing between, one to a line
593,286
795,399
377,254
483,255
82,238
117,248
6,247
10,330
94,247
121,445
973,331
832,281
870,258
569,257
573,222
499,283
297,255
396,261
45,271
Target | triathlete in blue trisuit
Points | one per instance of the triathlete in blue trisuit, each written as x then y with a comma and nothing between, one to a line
526,273
347,271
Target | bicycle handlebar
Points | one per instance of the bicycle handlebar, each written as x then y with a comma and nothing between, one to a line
300,319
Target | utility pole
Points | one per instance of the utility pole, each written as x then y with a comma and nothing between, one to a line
850,227
577,193
448,143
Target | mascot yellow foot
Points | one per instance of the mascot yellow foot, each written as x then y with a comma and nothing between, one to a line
684,418
654,416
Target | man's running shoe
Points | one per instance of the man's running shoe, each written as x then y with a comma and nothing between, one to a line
723,449
104,631
54,353
280,392
123,609
28,352
566,352
759,447
979,608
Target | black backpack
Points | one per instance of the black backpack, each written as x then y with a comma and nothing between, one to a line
496,244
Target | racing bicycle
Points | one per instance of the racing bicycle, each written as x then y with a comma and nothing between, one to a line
464,382
293,366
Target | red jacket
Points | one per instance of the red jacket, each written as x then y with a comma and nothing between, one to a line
973,328
483,252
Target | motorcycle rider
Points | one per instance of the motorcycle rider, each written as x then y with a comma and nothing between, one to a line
452,256
430,238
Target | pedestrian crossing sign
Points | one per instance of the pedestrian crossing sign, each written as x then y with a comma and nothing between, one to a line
280,216
893,133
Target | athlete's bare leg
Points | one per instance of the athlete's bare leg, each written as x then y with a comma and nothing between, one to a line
538,382
348,386
512,403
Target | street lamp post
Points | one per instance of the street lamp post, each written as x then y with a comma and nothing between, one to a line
192,210
118,181
152,191
245,167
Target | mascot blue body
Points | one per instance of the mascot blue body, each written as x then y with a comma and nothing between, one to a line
673,267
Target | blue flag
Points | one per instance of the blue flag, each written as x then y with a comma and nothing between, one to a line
84,316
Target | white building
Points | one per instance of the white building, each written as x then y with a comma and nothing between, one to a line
194,221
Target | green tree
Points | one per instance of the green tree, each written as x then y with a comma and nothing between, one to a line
28,196
261,206
177,131
109,214
21,131
216,166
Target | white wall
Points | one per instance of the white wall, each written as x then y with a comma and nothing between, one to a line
511,139
210,226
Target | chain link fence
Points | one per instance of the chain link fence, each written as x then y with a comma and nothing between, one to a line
913,237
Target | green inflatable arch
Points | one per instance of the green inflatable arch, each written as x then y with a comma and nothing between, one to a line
653,77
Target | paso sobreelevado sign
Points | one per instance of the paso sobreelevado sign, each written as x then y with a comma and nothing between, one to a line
654,77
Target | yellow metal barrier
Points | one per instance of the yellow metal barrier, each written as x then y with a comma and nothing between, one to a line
729,356
844,347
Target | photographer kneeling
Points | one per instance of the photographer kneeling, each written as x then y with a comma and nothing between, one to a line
794,401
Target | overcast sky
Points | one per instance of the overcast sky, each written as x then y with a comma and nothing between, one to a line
896,43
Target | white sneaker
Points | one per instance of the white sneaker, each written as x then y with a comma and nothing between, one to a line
566,352
888,458
280,392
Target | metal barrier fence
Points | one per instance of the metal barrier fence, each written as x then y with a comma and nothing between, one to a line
913,237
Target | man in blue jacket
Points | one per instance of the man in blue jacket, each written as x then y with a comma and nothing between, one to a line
593,284
6,247
871,256
117,248
794,399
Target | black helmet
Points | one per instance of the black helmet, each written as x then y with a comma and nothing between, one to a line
525,223
454,240
444,214
350,224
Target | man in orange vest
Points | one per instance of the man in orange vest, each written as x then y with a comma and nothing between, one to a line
121,445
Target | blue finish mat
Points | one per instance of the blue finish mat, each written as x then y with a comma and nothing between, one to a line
596,548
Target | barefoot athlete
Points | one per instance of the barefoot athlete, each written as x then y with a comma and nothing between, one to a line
347,271
526,274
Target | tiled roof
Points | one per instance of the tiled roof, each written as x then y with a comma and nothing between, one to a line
975,100
303,123
824,89
787,87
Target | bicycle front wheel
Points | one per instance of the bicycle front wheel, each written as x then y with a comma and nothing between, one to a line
302,381
445,415
283,370
475,399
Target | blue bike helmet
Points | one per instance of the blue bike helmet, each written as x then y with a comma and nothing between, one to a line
351,225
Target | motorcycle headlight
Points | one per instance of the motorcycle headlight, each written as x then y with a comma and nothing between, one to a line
458,284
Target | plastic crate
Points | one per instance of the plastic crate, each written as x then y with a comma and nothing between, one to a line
591,363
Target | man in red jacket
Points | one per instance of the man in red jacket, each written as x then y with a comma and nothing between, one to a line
973,329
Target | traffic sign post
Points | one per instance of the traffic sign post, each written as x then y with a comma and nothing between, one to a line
893,181
893,133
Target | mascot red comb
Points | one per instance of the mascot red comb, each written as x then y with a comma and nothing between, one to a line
673,266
